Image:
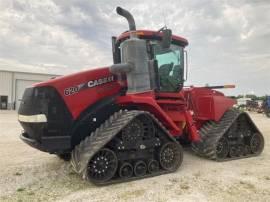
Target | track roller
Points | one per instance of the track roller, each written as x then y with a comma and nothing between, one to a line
153,166
126,170
140,168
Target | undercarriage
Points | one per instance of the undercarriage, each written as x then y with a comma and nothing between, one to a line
235,136
129,145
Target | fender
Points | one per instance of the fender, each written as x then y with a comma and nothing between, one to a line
207,104
92,118
148,103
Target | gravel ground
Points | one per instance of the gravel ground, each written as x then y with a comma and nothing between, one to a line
27,174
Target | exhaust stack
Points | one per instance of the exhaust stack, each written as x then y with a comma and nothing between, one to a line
134,59
128,16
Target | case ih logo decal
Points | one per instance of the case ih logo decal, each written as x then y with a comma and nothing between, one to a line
90,84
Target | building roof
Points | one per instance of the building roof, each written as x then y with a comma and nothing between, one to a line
25,72
47,69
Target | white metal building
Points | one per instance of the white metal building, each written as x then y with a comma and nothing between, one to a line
13,83
243,101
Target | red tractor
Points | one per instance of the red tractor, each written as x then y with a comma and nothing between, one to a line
128,121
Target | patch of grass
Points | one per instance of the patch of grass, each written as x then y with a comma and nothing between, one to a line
50,189
20,189
241,182
246,173
71,173
139,192
266,177
3,198
174,180
248,185
132,194
179,192
197,174
184,186
31,193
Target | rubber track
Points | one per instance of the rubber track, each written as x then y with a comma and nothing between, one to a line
104,134
212,132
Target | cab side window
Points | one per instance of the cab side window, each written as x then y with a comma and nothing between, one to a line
170,68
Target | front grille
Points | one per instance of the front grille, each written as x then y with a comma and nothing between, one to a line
45,100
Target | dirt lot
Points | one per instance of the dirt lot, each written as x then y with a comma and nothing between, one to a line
27,174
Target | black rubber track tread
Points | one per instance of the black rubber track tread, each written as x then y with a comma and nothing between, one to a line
88,147
212,132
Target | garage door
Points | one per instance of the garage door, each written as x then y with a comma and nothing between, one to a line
20,87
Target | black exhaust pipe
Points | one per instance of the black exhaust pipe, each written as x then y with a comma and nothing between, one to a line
128,16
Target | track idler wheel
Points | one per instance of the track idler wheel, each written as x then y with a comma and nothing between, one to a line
126,170
247,150
222,148
256,143
171,156
140,168
153,166
103,166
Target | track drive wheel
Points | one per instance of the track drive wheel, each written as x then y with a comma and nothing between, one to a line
171,156
102,166
141,128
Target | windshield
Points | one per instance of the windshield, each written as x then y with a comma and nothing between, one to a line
170,67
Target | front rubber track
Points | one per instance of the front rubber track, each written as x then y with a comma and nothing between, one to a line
103,135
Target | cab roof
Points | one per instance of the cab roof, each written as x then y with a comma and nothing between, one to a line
156,35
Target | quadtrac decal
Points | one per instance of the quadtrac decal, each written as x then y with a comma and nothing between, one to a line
90,84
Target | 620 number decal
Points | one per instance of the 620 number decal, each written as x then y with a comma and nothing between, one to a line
71,90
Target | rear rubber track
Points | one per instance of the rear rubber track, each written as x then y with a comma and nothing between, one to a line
212,132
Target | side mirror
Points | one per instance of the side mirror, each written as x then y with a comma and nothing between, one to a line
167,38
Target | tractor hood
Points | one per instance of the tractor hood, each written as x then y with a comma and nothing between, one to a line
82,89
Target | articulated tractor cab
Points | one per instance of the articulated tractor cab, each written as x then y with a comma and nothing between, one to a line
128,121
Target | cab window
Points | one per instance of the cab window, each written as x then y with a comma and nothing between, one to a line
170,67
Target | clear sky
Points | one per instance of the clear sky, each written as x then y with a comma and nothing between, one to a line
229,41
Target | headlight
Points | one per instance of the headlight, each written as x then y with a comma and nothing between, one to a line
39,118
